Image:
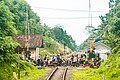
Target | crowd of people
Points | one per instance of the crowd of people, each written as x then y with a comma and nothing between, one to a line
59,60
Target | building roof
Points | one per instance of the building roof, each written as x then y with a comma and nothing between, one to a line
98,43
34,40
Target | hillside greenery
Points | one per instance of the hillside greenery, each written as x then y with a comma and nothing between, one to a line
13,22
19,9
53,47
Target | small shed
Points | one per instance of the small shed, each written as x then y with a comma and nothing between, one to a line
34,43
100,48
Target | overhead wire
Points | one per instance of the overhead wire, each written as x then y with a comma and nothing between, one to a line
69,10
67,17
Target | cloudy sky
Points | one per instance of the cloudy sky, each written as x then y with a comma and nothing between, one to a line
72,14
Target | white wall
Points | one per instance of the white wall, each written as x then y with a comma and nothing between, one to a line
103,56
37,53
32,54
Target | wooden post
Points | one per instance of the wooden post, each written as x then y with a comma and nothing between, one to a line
64,48
14,76
103,77
27,45
18,63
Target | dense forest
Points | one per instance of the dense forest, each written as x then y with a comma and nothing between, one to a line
13,22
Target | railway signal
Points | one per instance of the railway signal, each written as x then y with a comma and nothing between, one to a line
91,45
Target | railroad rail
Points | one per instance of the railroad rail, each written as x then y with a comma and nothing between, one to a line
64,74
63,77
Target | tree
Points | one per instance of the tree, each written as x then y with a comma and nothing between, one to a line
109,29
6,21
62,37
19,8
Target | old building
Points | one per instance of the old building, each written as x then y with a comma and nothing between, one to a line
34,43
100,48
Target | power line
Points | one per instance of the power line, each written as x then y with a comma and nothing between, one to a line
67,10
67,17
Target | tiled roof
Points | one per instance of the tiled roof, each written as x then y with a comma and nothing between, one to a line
34,40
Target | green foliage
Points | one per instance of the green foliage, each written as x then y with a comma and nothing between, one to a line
19,8
109,29
84,44
7,45
12,22
8,60
116,50
6,71
110,70
6,21
62,37
51,47
109,32
25,65
115,26
35,74
10,65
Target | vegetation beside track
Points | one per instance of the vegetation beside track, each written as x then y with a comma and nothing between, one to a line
109,33
109,70
34,74
13,22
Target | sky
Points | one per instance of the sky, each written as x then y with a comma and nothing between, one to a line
72,14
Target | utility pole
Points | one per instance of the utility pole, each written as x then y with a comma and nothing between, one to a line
90,15
27,34
90,25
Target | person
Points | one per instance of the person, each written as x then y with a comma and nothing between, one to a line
58,60
53,58
50,60
38,61
73,60
45,60
45,57
41,62
77,57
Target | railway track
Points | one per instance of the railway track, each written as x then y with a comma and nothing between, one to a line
58,74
